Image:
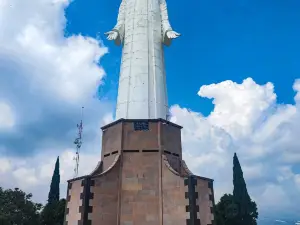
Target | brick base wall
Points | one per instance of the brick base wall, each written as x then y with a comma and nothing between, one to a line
141,180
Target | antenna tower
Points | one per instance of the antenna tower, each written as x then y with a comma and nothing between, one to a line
78,143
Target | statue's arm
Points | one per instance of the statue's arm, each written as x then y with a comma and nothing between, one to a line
120,26
166,27
164,17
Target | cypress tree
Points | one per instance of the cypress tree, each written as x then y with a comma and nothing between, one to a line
54,187
53,212
247,209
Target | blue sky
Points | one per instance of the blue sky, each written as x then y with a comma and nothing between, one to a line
221,40
233,84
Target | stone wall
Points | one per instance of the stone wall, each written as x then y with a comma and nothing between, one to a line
140,188
74,202
140,140
141,180
171,139
112,139
174,201
205,200
105,191
108,160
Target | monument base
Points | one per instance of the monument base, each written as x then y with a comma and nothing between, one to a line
140,180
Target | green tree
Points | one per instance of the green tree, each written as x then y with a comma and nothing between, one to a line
16,207
53,195
236,208
247,210
53,212
226,210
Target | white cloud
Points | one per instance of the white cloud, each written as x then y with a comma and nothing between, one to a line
242,105
5,165
108,118
273,195
246,119
297,180
45,78
296,87
64,67
7,118
285,173
280,221
34,174
25,176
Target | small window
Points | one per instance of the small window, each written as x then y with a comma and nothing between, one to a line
150,150
108,154
131,150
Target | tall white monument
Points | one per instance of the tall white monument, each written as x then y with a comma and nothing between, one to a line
141,178
142,29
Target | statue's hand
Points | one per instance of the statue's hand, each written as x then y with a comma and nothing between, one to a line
172,34
112,35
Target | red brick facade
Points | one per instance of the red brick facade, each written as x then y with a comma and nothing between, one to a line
141,180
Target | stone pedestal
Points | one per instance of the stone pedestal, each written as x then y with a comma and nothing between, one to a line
140,180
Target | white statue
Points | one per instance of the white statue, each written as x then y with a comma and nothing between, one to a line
142,28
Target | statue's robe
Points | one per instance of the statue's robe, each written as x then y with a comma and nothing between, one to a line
142,27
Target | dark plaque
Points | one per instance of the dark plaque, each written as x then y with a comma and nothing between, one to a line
141,125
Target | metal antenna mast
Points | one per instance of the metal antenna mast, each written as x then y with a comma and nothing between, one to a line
78,143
